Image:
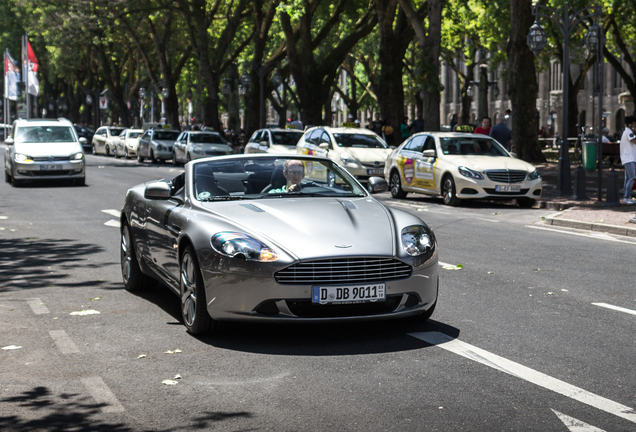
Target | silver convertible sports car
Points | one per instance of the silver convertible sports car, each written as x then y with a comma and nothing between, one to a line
277,238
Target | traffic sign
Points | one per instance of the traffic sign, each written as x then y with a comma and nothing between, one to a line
103,102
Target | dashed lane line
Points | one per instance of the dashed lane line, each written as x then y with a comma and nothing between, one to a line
113,223
115,213
37,306
517,370
616,308
102,395
63,342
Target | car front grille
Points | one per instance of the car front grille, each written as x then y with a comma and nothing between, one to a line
506,176
45,173
215,153
344,271
494,192
51,159
373,165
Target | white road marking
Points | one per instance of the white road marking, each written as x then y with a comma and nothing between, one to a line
102,395
113,223
575,425
63,342
115,213
517,370
616,308
488,220
37,306
445,264
588,235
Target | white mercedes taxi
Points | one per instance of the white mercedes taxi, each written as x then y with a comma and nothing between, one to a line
361,151
460,166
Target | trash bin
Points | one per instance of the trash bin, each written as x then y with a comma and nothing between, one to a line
589,155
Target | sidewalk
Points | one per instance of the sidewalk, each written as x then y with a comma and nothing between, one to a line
588,214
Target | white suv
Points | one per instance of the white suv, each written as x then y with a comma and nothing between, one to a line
44,149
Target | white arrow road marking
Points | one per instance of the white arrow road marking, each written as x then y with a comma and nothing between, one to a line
113,223
37,306
575,425
102,395
616,308
63,342
515,369
115,213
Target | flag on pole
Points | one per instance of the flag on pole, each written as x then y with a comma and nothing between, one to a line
32,69
11,77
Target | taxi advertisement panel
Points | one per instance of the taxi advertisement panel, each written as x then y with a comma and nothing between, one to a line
418,171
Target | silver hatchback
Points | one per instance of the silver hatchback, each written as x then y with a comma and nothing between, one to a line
44,149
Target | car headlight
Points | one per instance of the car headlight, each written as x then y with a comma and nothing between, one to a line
345,159
534,175
160,147
417,240
77,156
19,157
234,244
467,172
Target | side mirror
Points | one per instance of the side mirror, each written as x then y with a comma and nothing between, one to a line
429,153
324,146
158,190
264,143
83,141
8,141
377,185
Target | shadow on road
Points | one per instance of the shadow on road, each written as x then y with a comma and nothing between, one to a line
36,263
75,412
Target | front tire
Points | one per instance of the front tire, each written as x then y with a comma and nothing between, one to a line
153,159
127,155
107,150
193,300
140,158
174,159
7,177
93,149
396,186
134,279
448,191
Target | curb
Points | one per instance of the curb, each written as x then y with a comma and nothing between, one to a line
590,226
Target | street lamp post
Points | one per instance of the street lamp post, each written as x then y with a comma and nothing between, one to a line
262,71
565,19
482,85
594,40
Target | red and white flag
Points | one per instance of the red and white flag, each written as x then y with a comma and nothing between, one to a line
11,77
31,67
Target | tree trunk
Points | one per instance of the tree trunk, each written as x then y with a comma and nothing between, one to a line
523,86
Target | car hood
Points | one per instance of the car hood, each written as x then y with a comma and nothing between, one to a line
482,163
48,149
367,155
314,227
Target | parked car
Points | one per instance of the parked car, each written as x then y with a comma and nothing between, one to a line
128,143
460,166
192,145
103,139
361,151
84,132
277,141
156,144
233,244
44,149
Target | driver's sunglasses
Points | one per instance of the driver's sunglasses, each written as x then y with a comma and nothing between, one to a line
295,172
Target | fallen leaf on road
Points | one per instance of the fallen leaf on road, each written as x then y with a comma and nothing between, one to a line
169,382
11,347
97,298
564,290
491,272
141,356
549,293
453,267
177,376
172,351
85,312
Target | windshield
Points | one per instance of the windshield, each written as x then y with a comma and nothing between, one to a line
266,178
468,146
166,135
286,138
44,134
207,138
115,132
359,141
134,134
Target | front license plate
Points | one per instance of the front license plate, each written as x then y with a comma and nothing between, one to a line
348,294
48,167
378,171
507,188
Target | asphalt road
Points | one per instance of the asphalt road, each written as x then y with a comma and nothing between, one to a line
526,335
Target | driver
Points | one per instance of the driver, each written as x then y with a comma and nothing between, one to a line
294,172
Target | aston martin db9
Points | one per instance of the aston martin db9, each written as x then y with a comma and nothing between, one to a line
277,238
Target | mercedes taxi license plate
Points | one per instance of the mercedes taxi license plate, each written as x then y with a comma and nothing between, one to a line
508,188
349,294
378,171
48,167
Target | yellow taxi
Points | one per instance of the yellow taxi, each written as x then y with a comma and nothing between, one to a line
459,166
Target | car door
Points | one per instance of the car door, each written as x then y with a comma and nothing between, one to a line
179,146
407,161
425,166
98,140
144,142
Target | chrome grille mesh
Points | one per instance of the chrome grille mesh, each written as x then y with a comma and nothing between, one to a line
49,159
344,271
506,176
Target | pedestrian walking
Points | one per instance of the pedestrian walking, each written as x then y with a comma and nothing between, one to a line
418,124
387,132
377,124
404,128
501,133
484,128
628,158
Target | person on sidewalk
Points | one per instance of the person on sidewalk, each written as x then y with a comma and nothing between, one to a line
484,128
501,133
628,157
